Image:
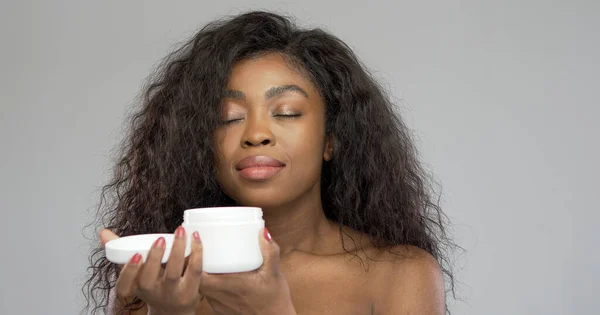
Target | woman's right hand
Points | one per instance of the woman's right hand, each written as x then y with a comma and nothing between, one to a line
164,290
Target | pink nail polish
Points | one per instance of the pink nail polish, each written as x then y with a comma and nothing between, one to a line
160,242
268,235
196,235
135,259
179,232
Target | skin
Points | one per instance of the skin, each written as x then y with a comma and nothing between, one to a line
306,270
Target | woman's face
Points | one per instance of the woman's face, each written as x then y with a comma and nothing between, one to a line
271,144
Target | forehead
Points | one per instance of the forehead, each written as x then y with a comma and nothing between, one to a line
259,74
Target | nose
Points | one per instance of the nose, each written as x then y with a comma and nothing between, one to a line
258,132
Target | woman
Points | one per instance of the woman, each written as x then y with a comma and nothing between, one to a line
254,111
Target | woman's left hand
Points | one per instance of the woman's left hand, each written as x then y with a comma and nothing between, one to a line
262,291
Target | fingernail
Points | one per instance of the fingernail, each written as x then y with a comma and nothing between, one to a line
160,242
267,235
135,259
196,236
179,232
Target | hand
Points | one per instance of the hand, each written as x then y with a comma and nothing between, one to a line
164,290
262,291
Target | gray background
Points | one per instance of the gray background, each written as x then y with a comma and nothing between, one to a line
502,95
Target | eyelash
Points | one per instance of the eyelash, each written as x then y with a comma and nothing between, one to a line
229,122
283,116
288,116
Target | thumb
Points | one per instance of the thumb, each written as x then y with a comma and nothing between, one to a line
270,251
107,235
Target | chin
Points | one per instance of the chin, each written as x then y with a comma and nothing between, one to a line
263,198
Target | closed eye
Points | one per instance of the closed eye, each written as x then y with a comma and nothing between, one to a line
288,116
231,121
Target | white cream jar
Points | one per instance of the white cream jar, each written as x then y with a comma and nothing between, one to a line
229,235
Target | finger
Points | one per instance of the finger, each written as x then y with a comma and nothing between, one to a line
270,251
126,285
193,271
150,272
175,264
107,235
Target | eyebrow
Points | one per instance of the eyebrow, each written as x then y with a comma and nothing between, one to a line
272,92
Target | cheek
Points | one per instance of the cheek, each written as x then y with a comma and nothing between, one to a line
305,146
224,147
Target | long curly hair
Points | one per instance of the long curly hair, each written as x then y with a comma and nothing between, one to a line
374,183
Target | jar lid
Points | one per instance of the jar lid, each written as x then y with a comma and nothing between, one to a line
121,250
222,214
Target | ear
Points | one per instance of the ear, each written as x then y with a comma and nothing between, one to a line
328,149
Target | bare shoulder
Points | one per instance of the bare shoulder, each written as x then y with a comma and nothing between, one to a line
407,280
403,279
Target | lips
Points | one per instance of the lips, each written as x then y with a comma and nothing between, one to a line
258,161
259,167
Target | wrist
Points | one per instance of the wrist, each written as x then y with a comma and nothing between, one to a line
165,313
154,311
282,305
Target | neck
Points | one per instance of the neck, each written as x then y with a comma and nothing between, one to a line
300,225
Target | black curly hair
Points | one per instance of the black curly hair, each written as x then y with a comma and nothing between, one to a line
165,162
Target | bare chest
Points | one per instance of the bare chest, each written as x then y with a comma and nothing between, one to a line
329,286
325,286
319,297
316,298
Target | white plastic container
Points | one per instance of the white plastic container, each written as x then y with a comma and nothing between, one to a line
121,250
230,237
